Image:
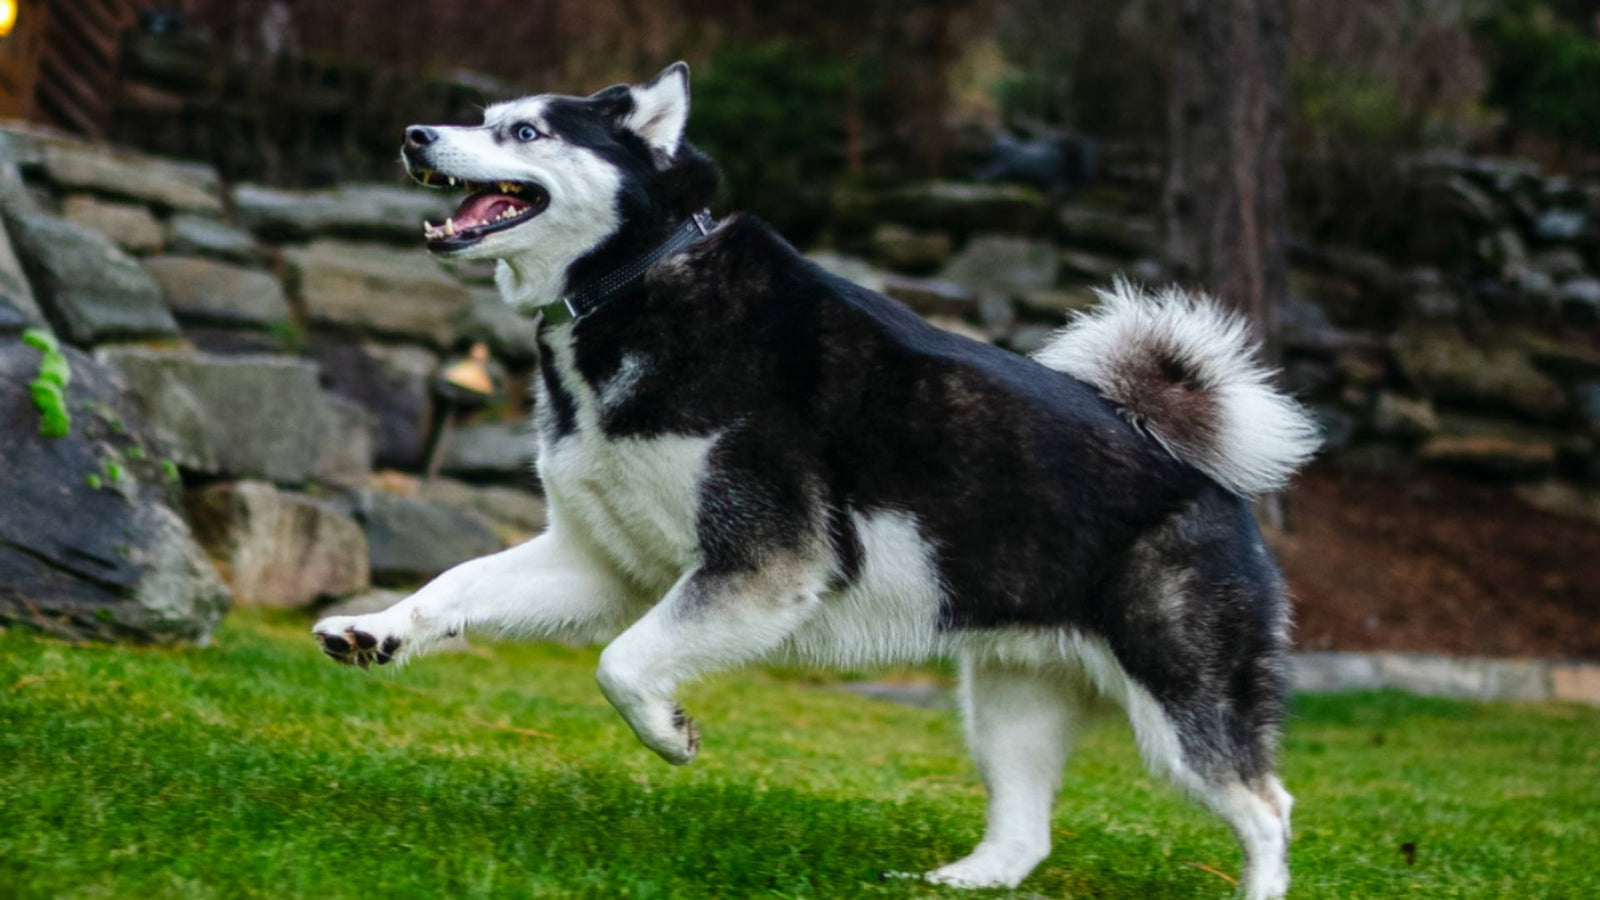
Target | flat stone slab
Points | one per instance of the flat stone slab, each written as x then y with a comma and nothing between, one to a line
369,287
205,236
207,290
490,449
236,416
87,167
1432,675
128,225
377,211
411,540
89,288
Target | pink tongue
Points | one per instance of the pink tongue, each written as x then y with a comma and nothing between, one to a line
481,209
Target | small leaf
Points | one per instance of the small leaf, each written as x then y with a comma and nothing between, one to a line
136,452
54,368
41,340
94,482
170,469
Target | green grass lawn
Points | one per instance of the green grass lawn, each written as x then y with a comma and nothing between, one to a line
256,767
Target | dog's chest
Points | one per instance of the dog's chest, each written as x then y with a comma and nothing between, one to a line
635,499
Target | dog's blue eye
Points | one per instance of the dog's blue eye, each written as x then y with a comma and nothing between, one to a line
526,132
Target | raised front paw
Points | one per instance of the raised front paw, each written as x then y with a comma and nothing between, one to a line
359,640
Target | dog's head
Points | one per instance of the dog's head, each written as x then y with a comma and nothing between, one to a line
559,187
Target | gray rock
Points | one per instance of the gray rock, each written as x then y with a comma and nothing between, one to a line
206,290
521,511
411,540
511,335
1534,286
907,250
1446,366
347,444
1561,498
18,309
851,269
278,548
1560,263
204,236
236,416
1015,265
1589,405
1403,417
394,383
1494,456
115,562
932,296
1030,339
1561,224
377,211
1582,292
960,206
1098,229
379,289
490,449
86,167
128,225
1427,296
91,290
1084,265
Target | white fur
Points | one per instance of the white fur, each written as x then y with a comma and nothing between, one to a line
1261,436
661,110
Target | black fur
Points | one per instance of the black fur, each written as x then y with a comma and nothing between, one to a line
1045,506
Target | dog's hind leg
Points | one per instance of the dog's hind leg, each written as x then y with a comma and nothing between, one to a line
1201,753
1021,723
708,621
544,587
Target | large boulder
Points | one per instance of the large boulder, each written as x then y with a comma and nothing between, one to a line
377,211
1497,375
18,309
90,545
410,540
206,290
91,290
368,287
87,167
348,444
278,548
128,225
235,416
394,383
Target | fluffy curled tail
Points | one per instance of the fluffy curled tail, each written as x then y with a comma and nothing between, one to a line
1185,371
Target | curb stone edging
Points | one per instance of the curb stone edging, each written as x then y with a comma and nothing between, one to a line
1425,674
1471,678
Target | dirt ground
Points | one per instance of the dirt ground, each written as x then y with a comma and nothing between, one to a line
1433,563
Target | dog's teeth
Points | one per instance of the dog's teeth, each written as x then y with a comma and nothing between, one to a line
449,227
452,181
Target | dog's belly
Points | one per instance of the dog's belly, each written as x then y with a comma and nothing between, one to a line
890,614
634,500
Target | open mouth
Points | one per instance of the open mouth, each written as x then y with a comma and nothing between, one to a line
488,208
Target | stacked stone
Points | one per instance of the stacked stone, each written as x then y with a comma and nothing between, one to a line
258,367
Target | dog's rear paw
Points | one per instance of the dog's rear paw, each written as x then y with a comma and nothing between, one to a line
358,640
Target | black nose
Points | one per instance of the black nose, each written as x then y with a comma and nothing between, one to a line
420,136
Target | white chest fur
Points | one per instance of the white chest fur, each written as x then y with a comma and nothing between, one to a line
633,499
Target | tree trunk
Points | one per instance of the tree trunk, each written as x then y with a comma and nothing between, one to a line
1224,203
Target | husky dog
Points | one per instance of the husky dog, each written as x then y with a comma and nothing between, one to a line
747,458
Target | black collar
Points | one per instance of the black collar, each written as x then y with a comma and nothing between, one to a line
596,291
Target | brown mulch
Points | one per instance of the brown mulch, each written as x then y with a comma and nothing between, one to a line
1433,563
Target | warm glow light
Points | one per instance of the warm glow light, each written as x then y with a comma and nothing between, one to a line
8,17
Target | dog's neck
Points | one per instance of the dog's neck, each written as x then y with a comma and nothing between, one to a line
528,282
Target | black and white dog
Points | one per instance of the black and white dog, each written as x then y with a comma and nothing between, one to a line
747,458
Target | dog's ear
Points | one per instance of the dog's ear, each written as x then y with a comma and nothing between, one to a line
661,109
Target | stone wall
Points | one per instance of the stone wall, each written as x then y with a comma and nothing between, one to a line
280,351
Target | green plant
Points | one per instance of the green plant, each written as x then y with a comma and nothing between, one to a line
170,470
1546,73
94,481
50,385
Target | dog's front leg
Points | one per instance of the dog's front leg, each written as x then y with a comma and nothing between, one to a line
544,587
708,621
